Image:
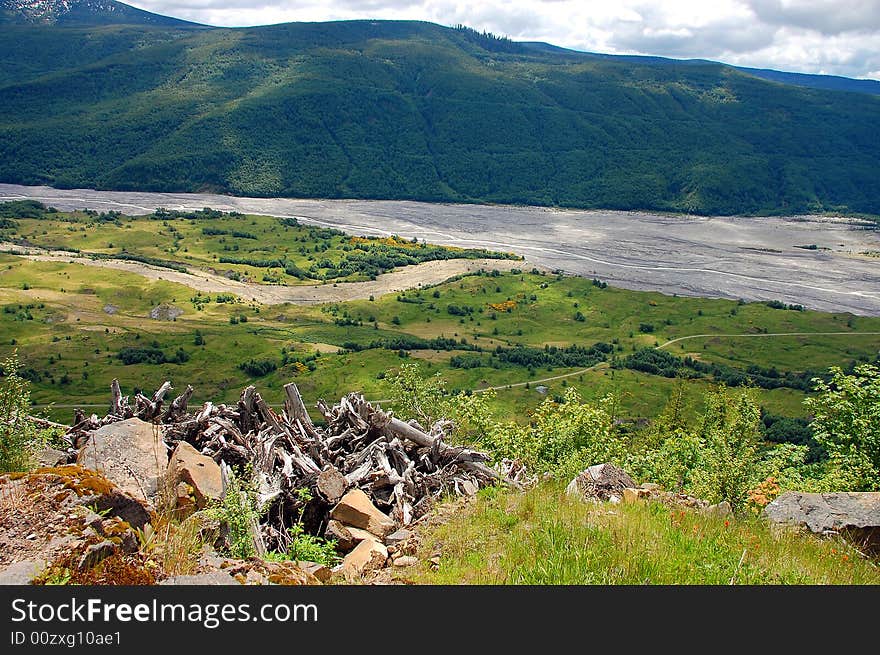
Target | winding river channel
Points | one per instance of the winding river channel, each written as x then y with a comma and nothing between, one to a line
823,263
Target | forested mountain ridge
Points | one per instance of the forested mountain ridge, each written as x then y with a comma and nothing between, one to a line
411,110
81,12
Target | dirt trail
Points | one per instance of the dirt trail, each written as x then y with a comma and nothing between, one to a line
408,277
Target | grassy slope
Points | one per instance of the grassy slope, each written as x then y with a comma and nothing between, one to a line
313,252
544,537
413,110
70,331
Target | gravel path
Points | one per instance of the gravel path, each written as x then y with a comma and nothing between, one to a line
400,279
727,257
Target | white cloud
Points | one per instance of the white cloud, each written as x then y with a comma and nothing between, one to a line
812,36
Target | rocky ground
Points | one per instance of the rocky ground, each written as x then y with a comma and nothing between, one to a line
142,495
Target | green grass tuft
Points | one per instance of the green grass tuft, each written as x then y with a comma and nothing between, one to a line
544,537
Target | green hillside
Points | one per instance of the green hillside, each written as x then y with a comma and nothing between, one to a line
409,110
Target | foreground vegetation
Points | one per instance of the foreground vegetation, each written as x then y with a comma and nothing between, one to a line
385,109
544,537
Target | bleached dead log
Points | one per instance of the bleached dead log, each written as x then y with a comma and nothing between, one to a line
295,411
246,418
178,406
115,398
159,396
470,460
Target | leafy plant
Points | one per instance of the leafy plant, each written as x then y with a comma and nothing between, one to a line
309,548
18,435
422,397
730,435
238,511
847,425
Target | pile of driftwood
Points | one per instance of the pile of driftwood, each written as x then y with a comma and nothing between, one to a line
401,466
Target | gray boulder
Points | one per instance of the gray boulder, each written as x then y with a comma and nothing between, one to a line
19,573
131,454
165,312
855,515
49,457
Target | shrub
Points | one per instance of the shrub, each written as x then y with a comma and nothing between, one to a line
423,398
18,435
721,458
309,548
142,356
257,368
730,434
238,511
847,425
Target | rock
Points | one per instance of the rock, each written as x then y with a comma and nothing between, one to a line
49,457
355,509
721,509
116,503
187,465
331,483
398,536
359,535
855,515
165,312
601,482
318,570
631,495
338,532
406,560
95,554
94,521
368,555
212,578
288,574
650,486
19,573
183,498
255,578
129,453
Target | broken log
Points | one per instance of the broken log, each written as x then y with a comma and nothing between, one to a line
178,406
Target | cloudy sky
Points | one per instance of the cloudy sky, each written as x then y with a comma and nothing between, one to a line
833,37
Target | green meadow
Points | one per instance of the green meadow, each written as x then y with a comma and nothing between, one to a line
76,326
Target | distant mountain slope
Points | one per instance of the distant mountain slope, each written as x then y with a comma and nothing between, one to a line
81,12
374,109
828,82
